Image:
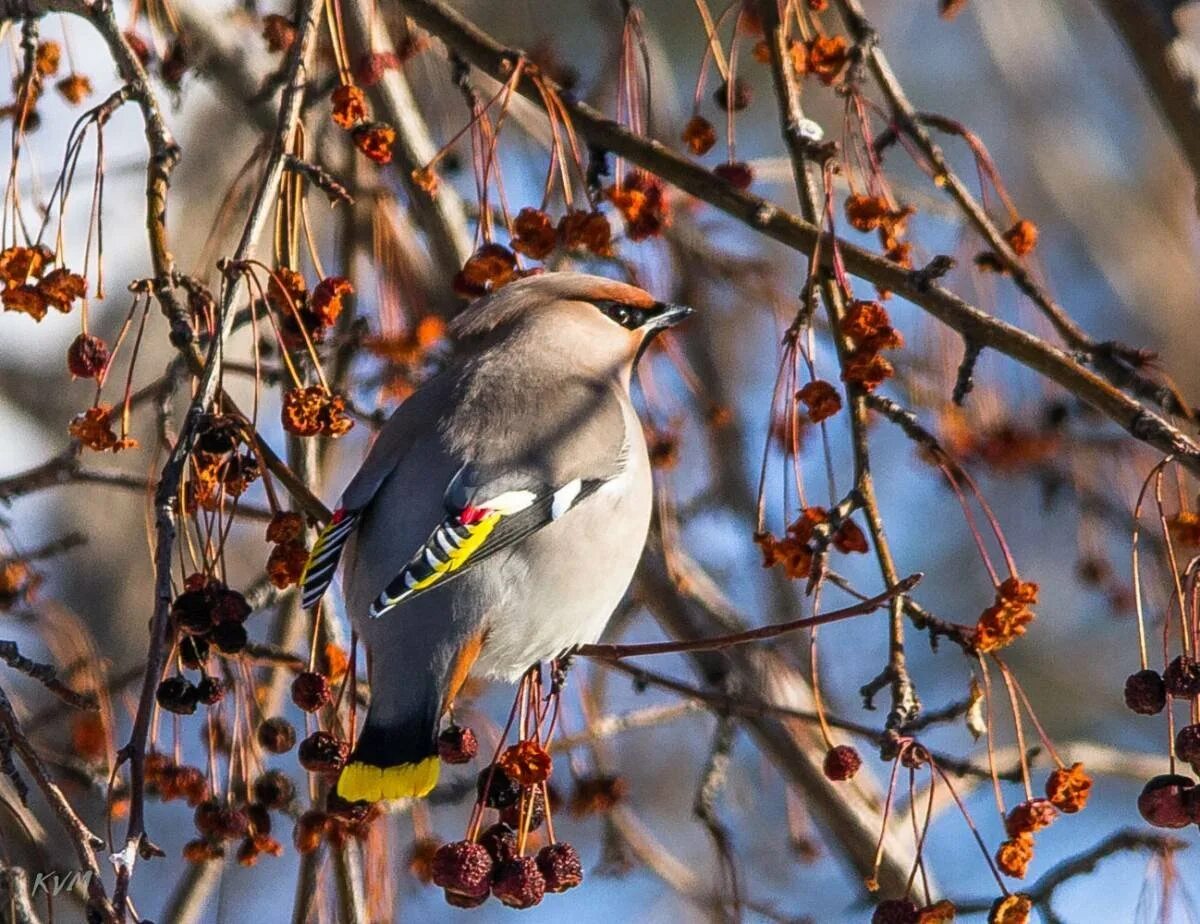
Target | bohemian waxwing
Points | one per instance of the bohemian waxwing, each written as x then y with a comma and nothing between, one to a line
499,516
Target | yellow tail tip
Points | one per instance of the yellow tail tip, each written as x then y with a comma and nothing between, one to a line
361,782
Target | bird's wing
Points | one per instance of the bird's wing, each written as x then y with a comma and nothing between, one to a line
413,417
484,515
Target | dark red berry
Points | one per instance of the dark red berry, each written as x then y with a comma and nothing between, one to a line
274,789
193,651
1187,744
309,830
457,745
519,883
896,911
277,735
207,818
560,867
310,691
741,98
841,762
737,174
87,356
501,793
463,868
229,637
232,823
500,841
321,752
1182,677
1162,801
192,612
229,605
458,900
512,814
260,819
178,695
1145,692
210,690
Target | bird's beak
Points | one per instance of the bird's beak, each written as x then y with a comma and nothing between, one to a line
663,315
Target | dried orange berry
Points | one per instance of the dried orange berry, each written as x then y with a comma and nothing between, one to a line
1068,789
286,563
26,300
736,173
869,327
534,234
1017,591
375,140
325,303
301,410
526,762
75,88
827,55
18,264
850,538
426,178
94,429
491,267
642,202
699,135
349,106
736,96
287,292
285,526
61,288
821,399
1022,237
1029,817
583,230
1013,856
866,213
867,370
942,912
279,32
87,357
1012,909
46,58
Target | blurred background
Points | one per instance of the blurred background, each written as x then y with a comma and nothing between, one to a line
1052,91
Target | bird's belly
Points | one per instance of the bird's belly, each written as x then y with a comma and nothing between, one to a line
580,576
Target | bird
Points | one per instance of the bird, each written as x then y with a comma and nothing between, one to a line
499,516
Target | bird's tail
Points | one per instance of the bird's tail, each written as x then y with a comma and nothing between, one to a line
392,760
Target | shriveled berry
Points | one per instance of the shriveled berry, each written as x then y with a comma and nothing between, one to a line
502,791
229,605
1029,817
193,651
457,745
1162,801
87,356
310,691
178,695
458,900
500,841
207,818
736,99
192,612
310,828
560,866
519,883
1187,744
232,823
210,690
1145,692
229,637
1182,677
274,789
534,814
463,868
841,763
277,735
321,752
896,911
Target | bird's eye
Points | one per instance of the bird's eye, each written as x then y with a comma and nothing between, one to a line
621,314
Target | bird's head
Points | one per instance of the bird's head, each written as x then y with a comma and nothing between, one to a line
590,318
